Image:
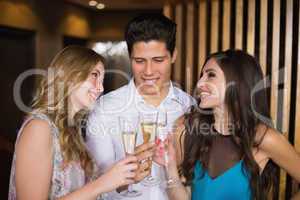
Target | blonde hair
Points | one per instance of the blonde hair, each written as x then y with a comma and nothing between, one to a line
69,68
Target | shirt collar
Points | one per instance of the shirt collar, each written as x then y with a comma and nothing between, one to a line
171,96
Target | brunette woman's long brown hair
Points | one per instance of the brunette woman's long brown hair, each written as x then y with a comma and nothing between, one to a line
247,104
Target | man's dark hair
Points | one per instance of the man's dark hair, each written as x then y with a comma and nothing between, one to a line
147,27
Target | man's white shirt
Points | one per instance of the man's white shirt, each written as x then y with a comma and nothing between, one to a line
104,139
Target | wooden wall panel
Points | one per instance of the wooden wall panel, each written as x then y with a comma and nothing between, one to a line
293,185
287,65
287,82
239,24
297,125
167,10
202,34
263,35
275,79
275,60
251,27
297,112
189,47
214,26
226,24
179,43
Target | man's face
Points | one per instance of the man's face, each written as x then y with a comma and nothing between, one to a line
151,66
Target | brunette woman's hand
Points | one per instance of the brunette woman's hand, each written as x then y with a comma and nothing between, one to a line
165,152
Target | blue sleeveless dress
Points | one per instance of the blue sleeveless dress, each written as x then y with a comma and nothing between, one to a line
233,184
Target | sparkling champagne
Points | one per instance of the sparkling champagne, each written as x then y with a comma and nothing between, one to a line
149,131
129,140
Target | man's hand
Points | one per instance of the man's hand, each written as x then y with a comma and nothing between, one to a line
144,153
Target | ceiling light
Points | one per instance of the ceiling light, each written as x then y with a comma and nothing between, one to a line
93,3
100,6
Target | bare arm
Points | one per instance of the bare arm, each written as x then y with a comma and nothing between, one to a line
34,164
34,161
277,148
119,175
179,191
34,168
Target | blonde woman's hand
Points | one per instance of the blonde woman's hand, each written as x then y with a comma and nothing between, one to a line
120,174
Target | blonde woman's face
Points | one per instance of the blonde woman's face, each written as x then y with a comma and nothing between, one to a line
85,95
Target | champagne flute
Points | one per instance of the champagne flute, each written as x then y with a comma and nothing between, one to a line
163,131
148,123
129,135
162,127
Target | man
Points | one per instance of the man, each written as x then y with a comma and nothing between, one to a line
151,46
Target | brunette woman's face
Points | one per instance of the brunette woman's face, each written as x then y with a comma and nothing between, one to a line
85,95
211,86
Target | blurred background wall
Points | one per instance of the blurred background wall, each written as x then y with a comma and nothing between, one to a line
33,31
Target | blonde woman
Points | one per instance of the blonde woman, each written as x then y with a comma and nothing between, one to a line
50,160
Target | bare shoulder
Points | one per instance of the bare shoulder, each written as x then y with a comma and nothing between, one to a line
35,132
34,145
272,137
276,147
269,138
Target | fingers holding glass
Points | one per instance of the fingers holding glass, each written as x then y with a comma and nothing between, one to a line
129,135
